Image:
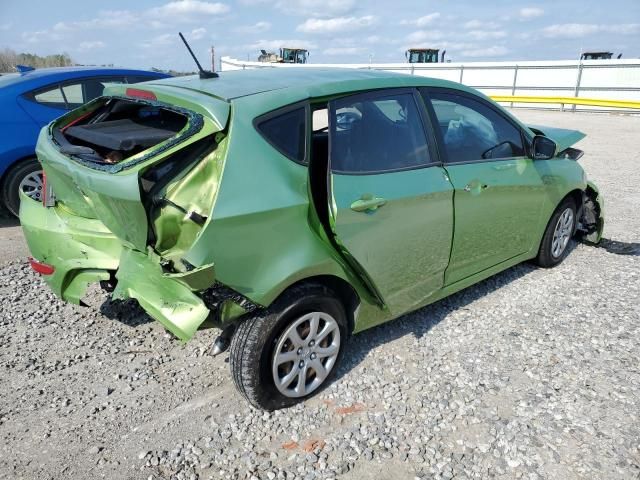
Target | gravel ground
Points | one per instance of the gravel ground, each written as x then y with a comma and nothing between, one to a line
531,374
12,244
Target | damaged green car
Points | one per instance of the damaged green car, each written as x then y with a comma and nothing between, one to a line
294,207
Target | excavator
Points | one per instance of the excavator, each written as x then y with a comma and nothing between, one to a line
287,55
424,55
597,56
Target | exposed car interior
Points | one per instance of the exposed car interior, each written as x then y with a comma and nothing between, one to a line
117,130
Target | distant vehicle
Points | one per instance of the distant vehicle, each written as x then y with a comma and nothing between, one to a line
424,55
598,56
32,98
287,55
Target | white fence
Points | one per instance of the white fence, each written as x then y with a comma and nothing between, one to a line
589,79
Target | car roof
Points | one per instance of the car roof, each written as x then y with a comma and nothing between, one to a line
302,82
44,76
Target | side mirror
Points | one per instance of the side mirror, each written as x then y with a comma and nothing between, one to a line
543,148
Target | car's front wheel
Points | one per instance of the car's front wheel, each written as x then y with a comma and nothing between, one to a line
25,176
557,237
289,351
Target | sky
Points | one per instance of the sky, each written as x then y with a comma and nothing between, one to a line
143,33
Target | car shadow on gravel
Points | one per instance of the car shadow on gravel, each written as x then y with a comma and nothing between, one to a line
618,247
420,322
128,312
8,221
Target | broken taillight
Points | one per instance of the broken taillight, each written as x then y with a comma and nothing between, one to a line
139,93
41,267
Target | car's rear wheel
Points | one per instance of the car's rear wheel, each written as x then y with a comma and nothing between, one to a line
557,237
290,351
26,176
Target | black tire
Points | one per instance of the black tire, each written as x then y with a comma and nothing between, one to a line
546,257
255,339
12,180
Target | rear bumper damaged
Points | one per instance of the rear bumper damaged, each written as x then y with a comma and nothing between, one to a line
83,251
166,299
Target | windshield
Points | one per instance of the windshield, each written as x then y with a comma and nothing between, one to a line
423,57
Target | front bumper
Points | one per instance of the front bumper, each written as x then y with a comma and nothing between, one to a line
596,213
84,251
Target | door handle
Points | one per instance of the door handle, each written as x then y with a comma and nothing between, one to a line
468,187
368,203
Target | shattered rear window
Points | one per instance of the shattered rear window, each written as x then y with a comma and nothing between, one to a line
117,133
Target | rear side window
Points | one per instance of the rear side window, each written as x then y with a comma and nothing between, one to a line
286,132
73,94
51,97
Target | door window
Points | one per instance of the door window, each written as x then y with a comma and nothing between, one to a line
379,133
473,131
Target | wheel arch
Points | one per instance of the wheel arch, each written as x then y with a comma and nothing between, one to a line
345,292
15,164
5,179
576,195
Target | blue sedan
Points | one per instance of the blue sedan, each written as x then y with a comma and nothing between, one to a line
31,99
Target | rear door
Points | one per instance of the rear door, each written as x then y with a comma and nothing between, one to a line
391,200
499,191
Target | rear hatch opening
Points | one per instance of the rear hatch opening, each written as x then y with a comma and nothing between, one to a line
151,171
114,130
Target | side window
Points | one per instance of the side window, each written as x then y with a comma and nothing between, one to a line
94,87
64,96
472,131
51,97
286,132
377,133
73,95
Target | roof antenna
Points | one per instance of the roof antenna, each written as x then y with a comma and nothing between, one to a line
203,73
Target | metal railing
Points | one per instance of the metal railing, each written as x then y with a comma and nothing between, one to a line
542,84
594,102
573,90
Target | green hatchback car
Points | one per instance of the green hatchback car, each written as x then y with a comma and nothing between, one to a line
294,207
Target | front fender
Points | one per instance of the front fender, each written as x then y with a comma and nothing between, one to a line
593,212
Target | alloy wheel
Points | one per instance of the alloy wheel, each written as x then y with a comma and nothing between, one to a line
33,184
562,233
305,354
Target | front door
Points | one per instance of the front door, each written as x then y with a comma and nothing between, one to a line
391,202
499,192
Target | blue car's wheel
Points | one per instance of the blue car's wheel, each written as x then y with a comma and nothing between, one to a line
25,176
